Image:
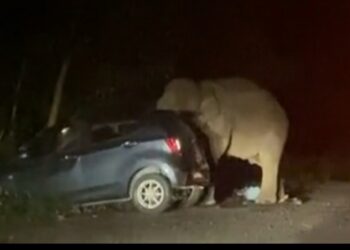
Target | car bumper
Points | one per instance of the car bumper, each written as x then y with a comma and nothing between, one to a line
191,188
194,178
187,176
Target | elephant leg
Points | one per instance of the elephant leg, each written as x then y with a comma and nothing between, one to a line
268,193
269,162
209,199
217,150
217,147
282,196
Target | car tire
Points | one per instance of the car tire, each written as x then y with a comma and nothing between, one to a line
152,194
193,199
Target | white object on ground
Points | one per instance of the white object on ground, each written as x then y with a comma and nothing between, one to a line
297,201
250,193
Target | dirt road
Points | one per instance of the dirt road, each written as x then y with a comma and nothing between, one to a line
325,218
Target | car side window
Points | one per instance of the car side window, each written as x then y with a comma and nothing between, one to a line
75,140
66,144
107,135
125,129
104,134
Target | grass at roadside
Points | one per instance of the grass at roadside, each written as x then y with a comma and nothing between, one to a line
16,209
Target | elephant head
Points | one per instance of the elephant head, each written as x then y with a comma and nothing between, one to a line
209,107
211,114
202,101
180,95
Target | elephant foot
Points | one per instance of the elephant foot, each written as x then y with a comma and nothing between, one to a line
209,203
266,199
283,199
271,199
209,200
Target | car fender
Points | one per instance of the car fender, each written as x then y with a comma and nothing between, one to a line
174,177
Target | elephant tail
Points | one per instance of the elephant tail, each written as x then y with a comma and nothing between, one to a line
229,141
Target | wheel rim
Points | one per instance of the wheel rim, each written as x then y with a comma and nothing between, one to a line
150,194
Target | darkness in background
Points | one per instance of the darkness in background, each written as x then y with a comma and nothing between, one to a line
124,52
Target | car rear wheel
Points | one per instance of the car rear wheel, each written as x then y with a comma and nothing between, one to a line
151,194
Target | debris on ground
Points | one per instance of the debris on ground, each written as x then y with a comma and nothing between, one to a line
61,217
297,201
251,193
75,210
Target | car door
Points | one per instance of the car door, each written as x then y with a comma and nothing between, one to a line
104,164
54,172
62,173
45,175
63,176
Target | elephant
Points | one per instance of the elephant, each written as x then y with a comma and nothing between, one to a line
240,119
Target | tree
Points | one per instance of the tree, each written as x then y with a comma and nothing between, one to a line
67,48
16,98
53,115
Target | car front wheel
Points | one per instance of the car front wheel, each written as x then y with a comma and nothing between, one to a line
152,194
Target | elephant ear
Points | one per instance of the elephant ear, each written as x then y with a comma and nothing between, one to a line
209,108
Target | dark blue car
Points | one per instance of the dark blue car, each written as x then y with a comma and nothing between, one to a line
153,162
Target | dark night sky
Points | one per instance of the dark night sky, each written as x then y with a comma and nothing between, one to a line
300,50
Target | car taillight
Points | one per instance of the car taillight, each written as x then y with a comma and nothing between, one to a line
174,145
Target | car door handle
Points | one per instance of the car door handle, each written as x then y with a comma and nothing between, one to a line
129,144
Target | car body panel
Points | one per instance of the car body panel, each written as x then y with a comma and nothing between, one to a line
106,169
